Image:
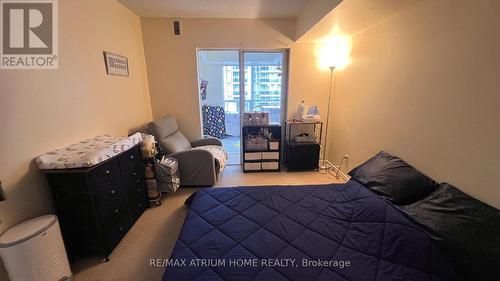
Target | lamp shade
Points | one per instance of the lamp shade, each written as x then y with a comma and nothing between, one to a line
334,52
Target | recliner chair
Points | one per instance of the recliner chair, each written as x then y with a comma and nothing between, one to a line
197,166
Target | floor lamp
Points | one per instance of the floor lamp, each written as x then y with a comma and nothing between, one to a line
326,165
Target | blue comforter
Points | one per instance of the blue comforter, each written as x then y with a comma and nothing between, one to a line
301,233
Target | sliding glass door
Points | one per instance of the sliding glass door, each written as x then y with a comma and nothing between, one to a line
265,83
223,75
219,92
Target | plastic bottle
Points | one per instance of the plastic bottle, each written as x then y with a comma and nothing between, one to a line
301,110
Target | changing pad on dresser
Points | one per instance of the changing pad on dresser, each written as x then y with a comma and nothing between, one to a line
87,153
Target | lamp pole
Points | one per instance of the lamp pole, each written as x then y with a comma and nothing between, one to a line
332,68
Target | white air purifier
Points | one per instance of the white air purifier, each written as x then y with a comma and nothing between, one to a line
34,251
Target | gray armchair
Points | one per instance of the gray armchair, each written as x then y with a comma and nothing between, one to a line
197,167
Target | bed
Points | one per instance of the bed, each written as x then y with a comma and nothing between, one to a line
307,233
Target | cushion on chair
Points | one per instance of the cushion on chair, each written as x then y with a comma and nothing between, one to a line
163,127
174,143
168,135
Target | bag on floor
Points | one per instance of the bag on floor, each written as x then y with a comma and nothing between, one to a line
167,174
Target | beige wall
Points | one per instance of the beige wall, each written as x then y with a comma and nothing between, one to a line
41,110
171,60
307,82
421,85
172,69
425,86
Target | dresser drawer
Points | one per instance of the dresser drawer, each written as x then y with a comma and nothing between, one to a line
270,155
270,165
105,173
111,214
115,234
138,202
110,188
136,173
109,193
131,159
252,166
253,156
137,187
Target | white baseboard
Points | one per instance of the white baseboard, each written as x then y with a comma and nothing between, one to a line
341,174
332,170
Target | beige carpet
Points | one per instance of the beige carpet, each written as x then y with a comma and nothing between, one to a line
155,233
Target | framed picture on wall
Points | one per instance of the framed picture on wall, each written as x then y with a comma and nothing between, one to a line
116,64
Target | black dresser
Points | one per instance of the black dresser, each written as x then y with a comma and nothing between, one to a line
96,206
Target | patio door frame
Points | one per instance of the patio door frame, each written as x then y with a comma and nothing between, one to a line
284,85
284,90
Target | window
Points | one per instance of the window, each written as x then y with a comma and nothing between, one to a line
265,81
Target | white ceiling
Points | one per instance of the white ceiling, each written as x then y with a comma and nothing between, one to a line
269,9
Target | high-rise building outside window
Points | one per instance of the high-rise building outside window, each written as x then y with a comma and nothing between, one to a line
262,87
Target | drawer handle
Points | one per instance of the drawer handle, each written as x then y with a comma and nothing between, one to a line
134,174
121,228
116,211
131,156
107,172
137,181
140,205
139,190
113,191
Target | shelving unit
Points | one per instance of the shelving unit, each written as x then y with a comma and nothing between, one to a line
295,127
262,157
302,155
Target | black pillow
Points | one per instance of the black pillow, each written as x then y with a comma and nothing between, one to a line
465,228
393,178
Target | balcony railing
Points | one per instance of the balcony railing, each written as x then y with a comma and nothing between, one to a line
232,106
